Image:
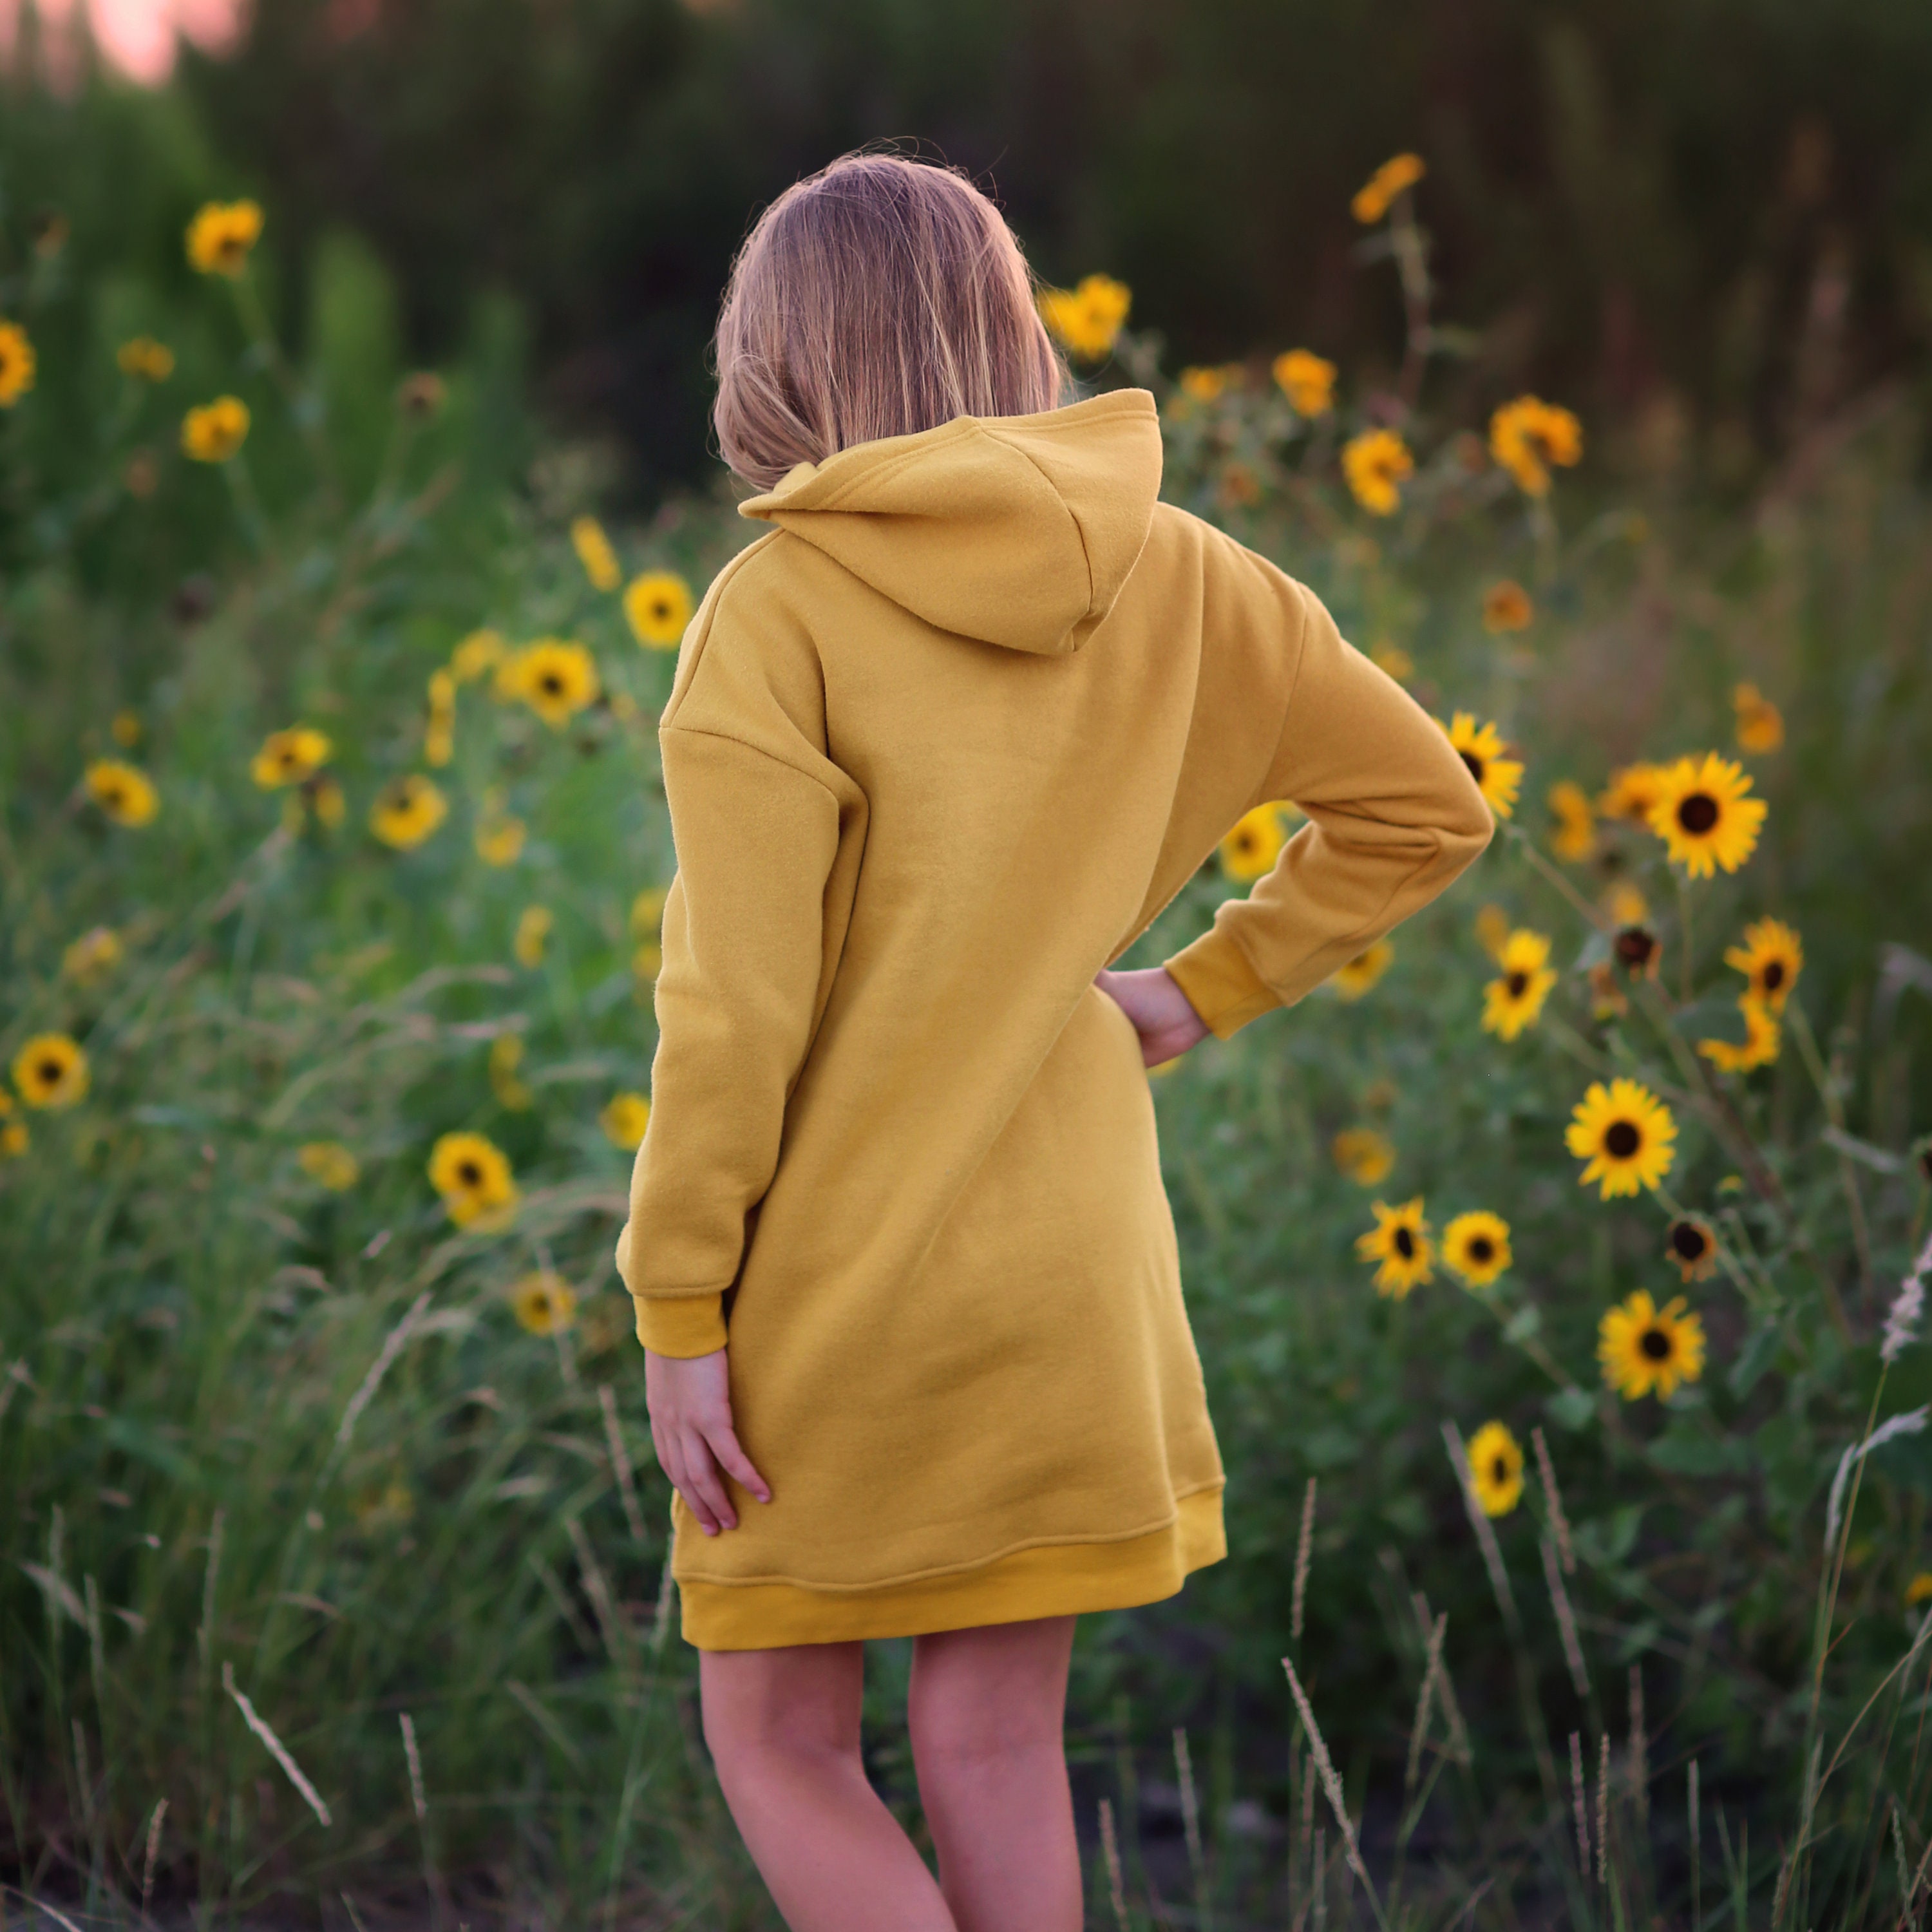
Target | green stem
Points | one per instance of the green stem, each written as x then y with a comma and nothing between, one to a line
1527,846
1687,972
1834,1110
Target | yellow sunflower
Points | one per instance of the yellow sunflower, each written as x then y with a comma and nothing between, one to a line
1399,1241
1575,838
214,432
1760,724
1624,1132
1772,957
1306,380
472,1175
1515,1000
17,364
328,1164
125,792
1354,978
1087,320
142,356
1692,1244
1646,1348
1919,1590
1703,816
407,810
1759,1047
290,757
1376,464
1371,200
1506,607
657,606
1251,848
51,1071
221,235
555,677
533,929
594,552
1625,905
624,1118
15,1139
93,954
1632,791
1495,1468
439,745
1476,1246
477,656
1493,929
1363,1155
543,1302
1481,749
499,838
1528,435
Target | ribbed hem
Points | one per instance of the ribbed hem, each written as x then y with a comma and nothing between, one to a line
1054,1579
1220,984
685,1325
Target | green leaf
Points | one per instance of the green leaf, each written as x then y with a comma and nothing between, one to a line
1752,1359
1571,1409
1686,1450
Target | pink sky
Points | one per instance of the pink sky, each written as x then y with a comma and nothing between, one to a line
138,36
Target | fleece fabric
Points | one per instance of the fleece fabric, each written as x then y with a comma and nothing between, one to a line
940,745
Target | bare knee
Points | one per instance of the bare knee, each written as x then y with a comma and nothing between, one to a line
989,1697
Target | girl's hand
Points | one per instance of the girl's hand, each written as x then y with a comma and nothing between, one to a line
689,1399
1167,1024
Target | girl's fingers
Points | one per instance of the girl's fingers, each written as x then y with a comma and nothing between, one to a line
677,1468
723,1442
706,1483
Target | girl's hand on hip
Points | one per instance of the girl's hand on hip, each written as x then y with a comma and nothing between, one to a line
689,1399
1160,1011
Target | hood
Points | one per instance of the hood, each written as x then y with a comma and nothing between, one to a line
1016,530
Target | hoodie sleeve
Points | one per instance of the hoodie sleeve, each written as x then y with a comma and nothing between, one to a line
1393,816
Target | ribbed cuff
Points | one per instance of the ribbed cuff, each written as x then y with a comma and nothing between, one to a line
1220,984
683,1324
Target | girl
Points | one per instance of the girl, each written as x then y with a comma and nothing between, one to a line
941,744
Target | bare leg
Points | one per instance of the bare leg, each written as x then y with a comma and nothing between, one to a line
782,1727
985,1711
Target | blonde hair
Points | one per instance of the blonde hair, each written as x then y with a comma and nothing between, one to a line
879,297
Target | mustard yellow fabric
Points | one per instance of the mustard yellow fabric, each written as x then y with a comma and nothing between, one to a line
940,746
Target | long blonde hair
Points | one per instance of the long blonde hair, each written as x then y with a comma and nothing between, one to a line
879,297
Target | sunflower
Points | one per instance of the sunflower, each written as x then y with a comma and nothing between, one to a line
554,676
477,656
1399,1241
1575,838
143,357
439,745
1919,1590
1759,1047
499,838
407,810
1772,957
506,1056
1506,607
1528,435
1496,777
125,792
1692,1244
1637,950
1306,380
657,606
1087,320
221,235
1625,905
1375,463
1493,929
95,954
326,799
543,1302
533,927
1632,791
15,1139
472,1175
1354,978
1760,725
1251,848
214,432
1644,1348
1515,1000
1495,1468
1371,200
328,1164
594,552
1703,817
290,757
51,1071
1625,1132
17,364
1363,1155
624,1118
1209,384
1476,1246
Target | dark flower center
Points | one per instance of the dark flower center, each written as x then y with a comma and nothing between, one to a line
1475,765
51,1071
1499,1469
1517,982
1622,1139
551,683
1689,1240
1655,1344
469,1174
1405,1244
661,610
1698,813
1634,946
1774,975
1482,1249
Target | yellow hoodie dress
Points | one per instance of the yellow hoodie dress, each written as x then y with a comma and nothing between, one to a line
940,745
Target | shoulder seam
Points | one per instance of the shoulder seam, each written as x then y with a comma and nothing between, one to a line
708,610
745,744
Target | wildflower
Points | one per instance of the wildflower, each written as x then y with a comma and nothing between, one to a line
555,677
1375,464
421,394
290,757
1919,1590
1759,1048
1087,320
1394,659
1760,724
477,656
1646,1348
533,927
1632,791
1253,846
1493,929
51,1071
1495,1468
1638,950
594,552
1399,1241
473,1176
1209,385
17,364
1506,607
125,792
1363,1155
1607,997
1528,435
1371,201
1626,904
499,838
221,234
1770,958
1307,380
439,739
624,1118
124,728
1624,1132
14,1137
143,357
326,799
1359,974
1692,1244
95,953
407,810
1515,1000
217,431
544,1303
1575,838
1496,777
657,607
506,1056
1476,1246
328,1164
1703,817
